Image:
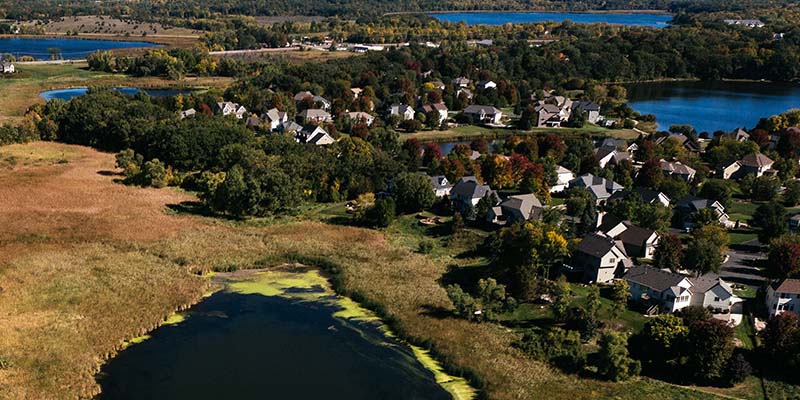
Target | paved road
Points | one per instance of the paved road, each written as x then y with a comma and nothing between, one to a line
740,269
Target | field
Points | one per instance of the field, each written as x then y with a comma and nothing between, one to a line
105,25
290,56
469,132
22,90
86,263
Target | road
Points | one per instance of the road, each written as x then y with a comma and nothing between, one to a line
740,265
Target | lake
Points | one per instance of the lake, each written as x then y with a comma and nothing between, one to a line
502,18
68,49
711,106
69,94
285,343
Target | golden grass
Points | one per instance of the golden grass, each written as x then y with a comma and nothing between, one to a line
113,265
105,25
22,91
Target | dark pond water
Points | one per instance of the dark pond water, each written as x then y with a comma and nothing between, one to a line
69,49
501,18
711,106
236,346
69,94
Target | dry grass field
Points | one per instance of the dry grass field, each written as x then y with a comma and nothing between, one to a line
106,25
86,263
22,90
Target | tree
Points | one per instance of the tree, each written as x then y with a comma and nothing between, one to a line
561,301
784,257
613,362
718,190
791,197
669,252
771,218
383,213
462,301
764,188
781,339
662,339
593,301
738,369
155,174
413,192
131,164
497,172
709,347
693,314
650,175
706,250
620,293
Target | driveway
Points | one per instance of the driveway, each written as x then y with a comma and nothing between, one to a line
739,267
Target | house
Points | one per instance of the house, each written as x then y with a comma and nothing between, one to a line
750,23
752,164
440,108
290,127
600,188
794,222
188,113
677,169
682,140
484,114
564,177
638,241
253,122
548,115
649,196
610,155
516,209
687,208
466,92
672,292
229,108
590,108
322,102
467,192
739,135
313,134
356,92
6,67
274,118
441,186
437,84
600,258
619,144
361,117
461,82
784,297
486,85
315,115
363,48
403,110
300,96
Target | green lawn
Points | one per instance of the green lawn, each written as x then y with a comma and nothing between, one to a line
469,132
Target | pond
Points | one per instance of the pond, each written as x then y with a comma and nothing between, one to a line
502,18
275,335
712,106
69,94
61,48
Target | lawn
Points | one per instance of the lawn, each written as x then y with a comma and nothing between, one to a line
469,132
22,90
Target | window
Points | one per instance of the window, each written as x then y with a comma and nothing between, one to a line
716,298
612,260
785,295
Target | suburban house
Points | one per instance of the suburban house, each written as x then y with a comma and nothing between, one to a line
467,192
440,108
682,140
441,186
361,117
486,85
794,222
600,188
564,177
313,134
618,144
750,23
671,292
610,156
548,115
315,116
356,92
590,108
6,67
274,118
300,96
467,93
739,135
188,113
484,114
229,108
403,110
649,196
290,127
253,122
600,258
752,164
638,241
687,208
784,297
461,82
515,209
677,169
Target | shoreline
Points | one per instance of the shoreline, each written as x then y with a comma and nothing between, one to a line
643,12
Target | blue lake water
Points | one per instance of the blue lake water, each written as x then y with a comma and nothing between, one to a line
501,18
69,94
68,49
712,106
235,346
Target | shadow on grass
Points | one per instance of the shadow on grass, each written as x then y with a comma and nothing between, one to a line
437,312
466,277
198,208
109,173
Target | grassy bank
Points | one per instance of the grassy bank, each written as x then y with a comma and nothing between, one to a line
21,90
108,264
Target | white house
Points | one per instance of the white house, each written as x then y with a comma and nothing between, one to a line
600,258
441,186
752,164
638,241
274,118
784,297
313,134
6,67
188,113
461,82
229,108
484,114
600,188
467,192
440,108
610,155
590,108
315,115
677,169
403,110
486,85
564,177
672,291
361,117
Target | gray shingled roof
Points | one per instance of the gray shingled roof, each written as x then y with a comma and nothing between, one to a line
597,245
653,278
756,160
469,187
788,286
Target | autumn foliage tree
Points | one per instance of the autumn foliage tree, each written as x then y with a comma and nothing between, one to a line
784,257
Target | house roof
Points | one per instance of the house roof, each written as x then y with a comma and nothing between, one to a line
273,114
477,109
787,286
601,188
756,160
707,281
696,203
439,182
597,245
548,108
562,170
653,278
586,106
315,113
302,95
677,167
609,221
468,187
635,235
527,205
